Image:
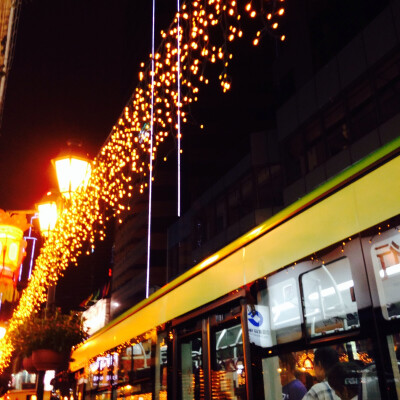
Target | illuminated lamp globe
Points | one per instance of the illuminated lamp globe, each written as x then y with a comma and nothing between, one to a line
48,213
12,243
12,252
3,331
73,170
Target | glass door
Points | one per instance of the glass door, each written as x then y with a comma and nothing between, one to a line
191,368
228,374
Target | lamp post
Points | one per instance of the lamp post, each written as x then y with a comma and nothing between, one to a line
73,173
12,252
72,169
48,213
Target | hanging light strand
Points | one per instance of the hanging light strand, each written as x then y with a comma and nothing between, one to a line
159,104
151,152
178,79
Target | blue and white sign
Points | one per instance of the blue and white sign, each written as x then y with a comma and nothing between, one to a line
258,325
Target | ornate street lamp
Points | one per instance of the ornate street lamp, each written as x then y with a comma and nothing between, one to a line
73,170
12,253
48,213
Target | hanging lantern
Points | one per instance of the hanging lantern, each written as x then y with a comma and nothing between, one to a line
72,169
12,252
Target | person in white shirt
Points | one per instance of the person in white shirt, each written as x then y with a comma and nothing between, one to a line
324,359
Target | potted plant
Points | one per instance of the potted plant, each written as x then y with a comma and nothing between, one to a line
23,347
49,337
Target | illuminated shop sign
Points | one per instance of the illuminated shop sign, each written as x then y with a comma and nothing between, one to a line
95,316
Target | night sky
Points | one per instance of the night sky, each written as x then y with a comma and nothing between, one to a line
75,67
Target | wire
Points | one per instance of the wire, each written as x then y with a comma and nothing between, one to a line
178,79
151,153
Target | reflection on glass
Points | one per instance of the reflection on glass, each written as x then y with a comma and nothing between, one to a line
299,367
161,367
329,301
284,303
125,365
279,308
277,316
192,376
228,373
394,351
385,255
104,370
135,374
258,325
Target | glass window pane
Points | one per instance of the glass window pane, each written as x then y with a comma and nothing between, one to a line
328,298
141,376
303,374
385,255
228,373
161,366
277,317
394,351
125,365
192,375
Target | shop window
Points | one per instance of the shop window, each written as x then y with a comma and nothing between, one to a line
228,373
141,379
103,372
394,353
277,316
191,369
385,255
161,366
292,375
125,365
143,359
328,298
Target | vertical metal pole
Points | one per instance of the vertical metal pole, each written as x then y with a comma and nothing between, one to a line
173,394
40,385
206,344
151,155
178,78
246,351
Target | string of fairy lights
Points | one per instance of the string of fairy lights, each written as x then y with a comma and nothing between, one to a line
122,167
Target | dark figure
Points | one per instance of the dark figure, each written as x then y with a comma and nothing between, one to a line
345,379
306,378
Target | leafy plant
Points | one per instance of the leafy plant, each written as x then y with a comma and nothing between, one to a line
49,330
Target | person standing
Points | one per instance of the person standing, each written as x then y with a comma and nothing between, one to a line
345,379
324,359
292,388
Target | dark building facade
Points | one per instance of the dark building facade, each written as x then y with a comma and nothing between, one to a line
294,251
337,84
336,99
